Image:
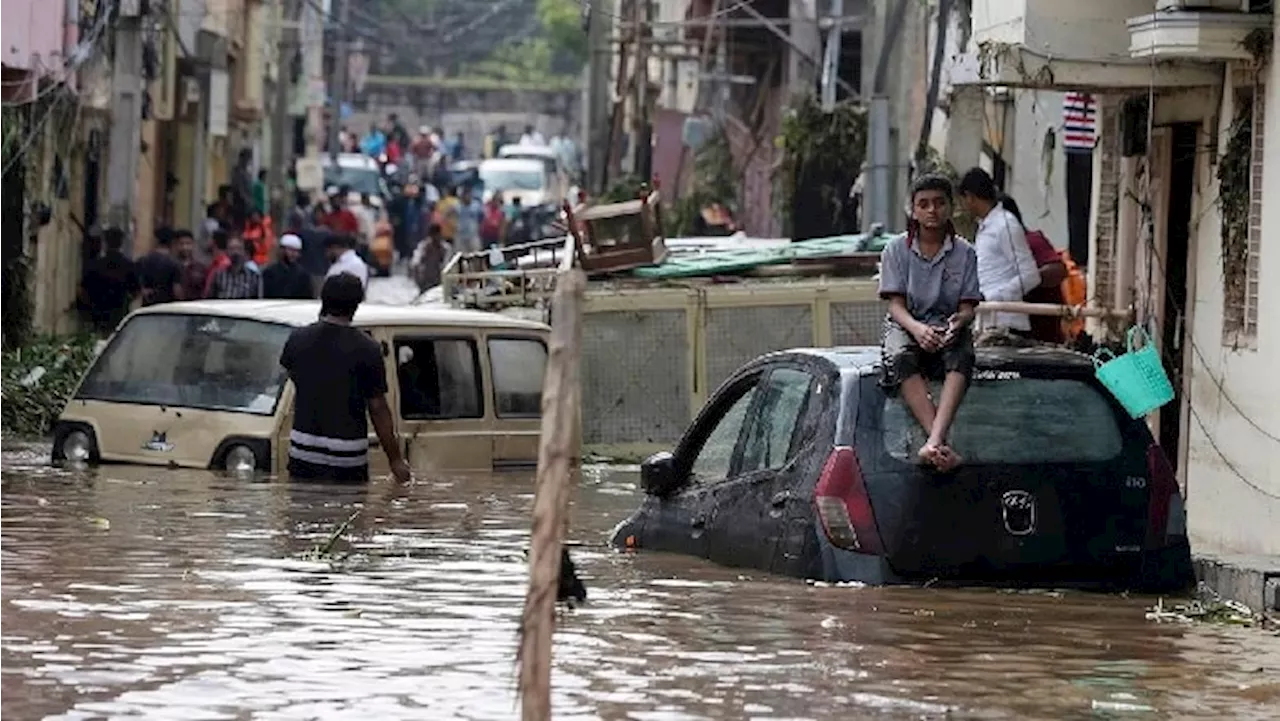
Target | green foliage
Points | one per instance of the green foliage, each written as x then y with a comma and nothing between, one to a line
562,24
822,153
32,398
528,61
15,279
715,180
623,189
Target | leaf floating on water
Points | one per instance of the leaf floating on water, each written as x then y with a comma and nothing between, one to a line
99,522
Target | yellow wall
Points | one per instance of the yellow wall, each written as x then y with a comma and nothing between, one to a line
184,169
144,203
57,266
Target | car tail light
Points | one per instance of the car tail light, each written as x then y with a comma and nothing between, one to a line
1164,502
843,506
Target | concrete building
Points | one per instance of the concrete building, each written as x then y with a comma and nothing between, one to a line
205,74
1178,222
52,158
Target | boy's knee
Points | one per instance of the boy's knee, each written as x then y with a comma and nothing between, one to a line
959,359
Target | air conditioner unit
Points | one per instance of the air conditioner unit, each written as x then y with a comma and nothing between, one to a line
1202,6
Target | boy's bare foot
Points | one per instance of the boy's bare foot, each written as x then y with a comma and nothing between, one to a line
928,455
948,459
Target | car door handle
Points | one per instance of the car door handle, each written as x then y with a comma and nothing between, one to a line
780,499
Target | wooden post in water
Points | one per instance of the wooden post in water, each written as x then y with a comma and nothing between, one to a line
556,453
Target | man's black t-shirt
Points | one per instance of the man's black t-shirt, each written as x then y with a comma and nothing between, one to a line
109,282
335,370
158,273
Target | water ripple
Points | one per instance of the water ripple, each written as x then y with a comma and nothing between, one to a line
151,594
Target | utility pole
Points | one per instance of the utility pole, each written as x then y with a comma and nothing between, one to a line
126,119
600,60
340,85
312,21
641,164
282,121
880,177
831,60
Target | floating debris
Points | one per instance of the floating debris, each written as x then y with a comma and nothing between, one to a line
324,551
1221,611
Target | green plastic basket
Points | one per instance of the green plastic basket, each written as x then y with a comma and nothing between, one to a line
1137,378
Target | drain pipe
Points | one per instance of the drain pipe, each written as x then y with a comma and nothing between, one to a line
880,167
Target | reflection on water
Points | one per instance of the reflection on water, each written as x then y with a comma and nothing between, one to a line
147,593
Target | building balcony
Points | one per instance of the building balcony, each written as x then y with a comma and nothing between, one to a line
1049,44
1195,35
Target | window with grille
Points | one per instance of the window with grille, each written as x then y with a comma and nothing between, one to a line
1240,307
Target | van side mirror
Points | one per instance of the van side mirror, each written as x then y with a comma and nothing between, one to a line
658,474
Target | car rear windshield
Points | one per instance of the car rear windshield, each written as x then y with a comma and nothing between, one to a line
192,361
1017,421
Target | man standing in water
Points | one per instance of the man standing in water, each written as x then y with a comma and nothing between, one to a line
338,375
930,278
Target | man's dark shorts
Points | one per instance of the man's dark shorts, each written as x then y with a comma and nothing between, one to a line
903,357
300,470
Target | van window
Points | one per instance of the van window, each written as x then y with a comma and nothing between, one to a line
1022,421
438,378
518,366
192,361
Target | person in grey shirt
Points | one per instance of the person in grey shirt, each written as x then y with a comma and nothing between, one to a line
930,278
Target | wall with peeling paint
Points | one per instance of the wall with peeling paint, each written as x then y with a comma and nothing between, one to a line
1037,178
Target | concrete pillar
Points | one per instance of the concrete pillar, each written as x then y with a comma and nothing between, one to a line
966,127
1130,212
802,76
126,124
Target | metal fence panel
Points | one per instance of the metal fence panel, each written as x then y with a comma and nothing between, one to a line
635,372
738,334
857,323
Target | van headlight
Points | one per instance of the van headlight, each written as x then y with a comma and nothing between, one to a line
240,459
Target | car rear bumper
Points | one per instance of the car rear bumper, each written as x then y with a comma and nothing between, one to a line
1164,570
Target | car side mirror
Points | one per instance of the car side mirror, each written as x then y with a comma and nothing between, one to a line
658,474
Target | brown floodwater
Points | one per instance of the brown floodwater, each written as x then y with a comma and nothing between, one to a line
158,594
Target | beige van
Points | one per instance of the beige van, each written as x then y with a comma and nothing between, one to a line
199,385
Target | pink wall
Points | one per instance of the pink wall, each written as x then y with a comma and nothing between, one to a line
31,36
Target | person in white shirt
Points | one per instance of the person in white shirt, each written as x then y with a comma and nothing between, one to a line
1006,267
341,252
532,136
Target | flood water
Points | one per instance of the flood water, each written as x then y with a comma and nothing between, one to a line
149,593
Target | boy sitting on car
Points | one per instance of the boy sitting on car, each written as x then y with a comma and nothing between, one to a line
930,278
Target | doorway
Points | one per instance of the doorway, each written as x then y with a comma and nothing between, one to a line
1173,325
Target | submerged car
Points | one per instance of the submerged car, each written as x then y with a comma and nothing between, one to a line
199,385
801,464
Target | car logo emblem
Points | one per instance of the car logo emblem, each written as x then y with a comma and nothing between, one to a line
159,442
1018,509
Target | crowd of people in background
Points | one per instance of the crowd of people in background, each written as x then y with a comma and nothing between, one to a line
432,210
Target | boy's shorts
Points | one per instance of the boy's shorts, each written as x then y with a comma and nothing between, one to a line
902,357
